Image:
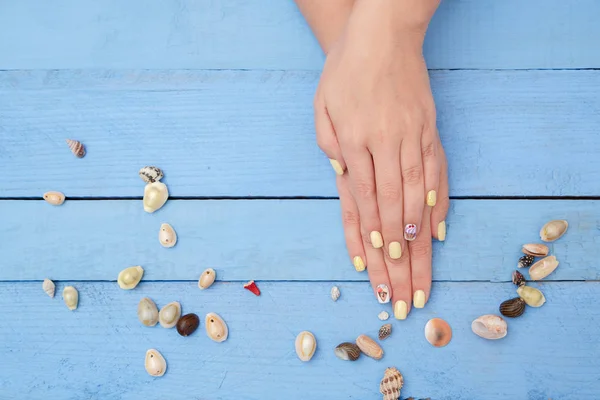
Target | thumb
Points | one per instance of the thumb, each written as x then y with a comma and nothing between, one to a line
327,138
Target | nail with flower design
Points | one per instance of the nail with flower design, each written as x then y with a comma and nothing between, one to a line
383,294
410,232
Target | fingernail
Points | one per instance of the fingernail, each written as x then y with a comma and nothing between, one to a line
419,299
395,250
400,309
442,231
431,198
383,294
337,167
359,264
376,240
410,232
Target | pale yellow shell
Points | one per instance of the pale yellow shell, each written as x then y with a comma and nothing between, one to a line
207,278
54,198
167,236
553,230
391,384
216,328
532,296
543,268
490,327
155,363
147,312
48,287
71,297
369,347
155,196
169,315
306,345
130,277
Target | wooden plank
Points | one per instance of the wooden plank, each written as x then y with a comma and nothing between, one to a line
98,350
268,34
241,133
273,240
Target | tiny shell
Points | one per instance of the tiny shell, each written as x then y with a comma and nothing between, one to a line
147,312
54,198
216,328
512,308
369,347
306,345
385,331
437,332
71,297
518,278
335,293
490,327
384,315
188,324
76,147
391,384
543,268
553,230
167,236
536,250
48,287
151,174
347,351
169,315
155,363
130,277
207,278
155,196
525,261
532,296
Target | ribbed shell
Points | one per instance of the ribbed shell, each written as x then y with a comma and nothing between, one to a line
77,148
151,174
513,308
347,351
385,331
48,287
391,384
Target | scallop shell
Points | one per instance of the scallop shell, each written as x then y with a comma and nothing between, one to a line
306,345
512,308
207,278
384,315
54,198
532,296
71,297
76,147
216,328
167,236
147,312
155,363
490,327
369,347
543,268
169,315
130,277
48,287
155,196
553,230
385,331
438,332
535,249
335,293
391,384
347,351
151,174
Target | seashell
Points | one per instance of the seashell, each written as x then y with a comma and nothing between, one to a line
147,312
384,315
130,277
167,236
385,331
54,198
216,328
188,324
207,278
532,296
71,297
155,196
369,347
518,278
151,174
347,351
490,327
76,147
525,261
306,345
536,250
335,293
48,287
553,230
437,332
155,363
169,315
543,268
513,308
391,384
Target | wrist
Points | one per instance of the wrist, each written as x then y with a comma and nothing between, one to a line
402,18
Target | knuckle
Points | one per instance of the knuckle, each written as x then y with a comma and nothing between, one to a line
366,237
428,151
420,249
389,191
443,202
350,218
364,190
412,175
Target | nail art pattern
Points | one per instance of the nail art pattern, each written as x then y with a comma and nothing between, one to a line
383,294
410,232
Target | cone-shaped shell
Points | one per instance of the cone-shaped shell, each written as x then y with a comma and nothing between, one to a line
535,249
71,297
438,332
518,278
169,315
207,278
391,384
385,331
54,198
130,277
77,148
49,287
543,268
151,174
553,230
167,236
216,328
347,351
306,345
147,312
155,363
532,296
369,347
155,196
490,327
512,308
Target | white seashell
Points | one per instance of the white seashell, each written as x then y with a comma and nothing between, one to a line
155,196
147,312
306,345
543,268
167,236
130,277
490,327
335,293
155,363
207,278
71,297
216,328
169,315
54,198
76,147
48,287
384,315
151,174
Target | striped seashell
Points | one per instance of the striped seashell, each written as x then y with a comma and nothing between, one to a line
391,384
513,308
151,174
76,147
347,351
385,331
369,347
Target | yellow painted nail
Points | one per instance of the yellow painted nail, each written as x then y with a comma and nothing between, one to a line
359,264
376,240
400,309
395,250
419,299
336,166
431,198
442,231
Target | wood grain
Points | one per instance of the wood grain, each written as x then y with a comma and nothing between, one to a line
244,133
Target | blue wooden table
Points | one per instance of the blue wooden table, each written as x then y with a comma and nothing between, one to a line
219,95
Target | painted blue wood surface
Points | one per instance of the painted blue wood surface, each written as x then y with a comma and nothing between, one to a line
509,133
271,34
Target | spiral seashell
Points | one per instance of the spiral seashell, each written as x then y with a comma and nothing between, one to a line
536,250
155,196
553,230
48,287
525,261
54,198
335,293
169,315
391,384
71,297
438,332
306,345
369,347
490,327
147,312
513,308
151,174
518,278
130,277
216,328
543,268
155,363
532,296
76,147
207,278
347,351
385,331
167,236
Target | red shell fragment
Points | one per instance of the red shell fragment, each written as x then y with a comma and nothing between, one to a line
251,286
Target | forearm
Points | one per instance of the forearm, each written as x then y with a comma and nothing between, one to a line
326,18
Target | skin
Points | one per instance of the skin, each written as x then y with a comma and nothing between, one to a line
375,117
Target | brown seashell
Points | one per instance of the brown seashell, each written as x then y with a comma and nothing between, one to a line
305,345
490,327
188,324
347,351
553,230
437,332
525,261
54,198
76,147
216,328
391,384
385,331
543,268
518,278
532,296
207,278
513,308
536,250
369,347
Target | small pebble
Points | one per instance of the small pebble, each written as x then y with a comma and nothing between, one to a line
383,315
